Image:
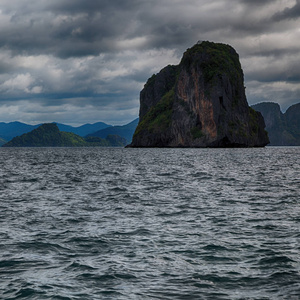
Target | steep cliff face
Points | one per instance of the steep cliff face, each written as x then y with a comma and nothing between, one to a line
199,103
292,116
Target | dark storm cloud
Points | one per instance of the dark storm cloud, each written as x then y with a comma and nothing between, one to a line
288,13
90,59
79,28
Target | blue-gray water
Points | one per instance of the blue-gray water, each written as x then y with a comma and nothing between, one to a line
150,223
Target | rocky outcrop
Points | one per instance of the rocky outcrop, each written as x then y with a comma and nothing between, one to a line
199,103
283,129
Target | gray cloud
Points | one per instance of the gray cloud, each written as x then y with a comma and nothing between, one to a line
88,60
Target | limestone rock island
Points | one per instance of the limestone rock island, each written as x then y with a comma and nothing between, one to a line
199,103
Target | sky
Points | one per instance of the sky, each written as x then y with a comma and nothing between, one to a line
84,61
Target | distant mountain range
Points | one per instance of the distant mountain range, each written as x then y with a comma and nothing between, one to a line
125,131
283,128
49,135
13,129
83,130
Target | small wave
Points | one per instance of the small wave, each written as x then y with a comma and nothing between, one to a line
106,277
30,180
44,247
87,241
9,263
201,175
217,259
76,265
118,189
139,231
29,293
282,277
277,260
172,214
213,247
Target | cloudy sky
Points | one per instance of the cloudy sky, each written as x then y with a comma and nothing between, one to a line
83,61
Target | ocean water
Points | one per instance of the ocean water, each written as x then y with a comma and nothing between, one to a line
112,223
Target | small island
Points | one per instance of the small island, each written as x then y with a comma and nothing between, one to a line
49,135
199,103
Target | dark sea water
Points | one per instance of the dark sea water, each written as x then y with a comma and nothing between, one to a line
112,223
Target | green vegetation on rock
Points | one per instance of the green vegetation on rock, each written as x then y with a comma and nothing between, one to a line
151,80
196,133
159,117
215,59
